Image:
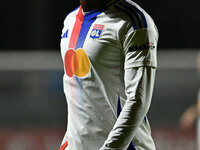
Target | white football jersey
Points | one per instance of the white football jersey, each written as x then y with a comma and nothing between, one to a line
101,50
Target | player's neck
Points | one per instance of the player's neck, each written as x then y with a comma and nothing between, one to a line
89,5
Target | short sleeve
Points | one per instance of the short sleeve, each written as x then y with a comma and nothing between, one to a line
140,48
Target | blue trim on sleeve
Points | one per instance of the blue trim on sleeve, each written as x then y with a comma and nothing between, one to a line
144,18
131,147
135,13
134,8
129,15
119,109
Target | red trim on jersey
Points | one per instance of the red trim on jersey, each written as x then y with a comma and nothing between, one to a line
64,146
76,29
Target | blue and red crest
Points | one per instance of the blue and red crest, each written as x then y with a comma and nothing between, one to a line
96,31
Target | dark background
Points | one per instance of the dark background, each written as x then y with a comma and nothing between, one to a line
37,24
33,108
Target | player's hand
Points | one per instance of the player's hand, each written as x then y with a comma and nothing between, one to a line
188,118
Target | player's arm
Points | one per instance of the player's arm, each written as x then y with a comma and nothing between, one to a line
190,115
139,68
135,108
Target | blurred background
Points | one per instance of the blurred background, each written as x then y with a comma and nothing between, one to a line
33,110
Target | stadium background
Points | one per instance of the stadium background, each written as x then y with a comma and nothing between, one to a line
32,104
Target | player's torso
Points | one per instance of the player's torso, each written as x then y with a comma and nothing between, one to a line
92,53
94,39
93,63
94,75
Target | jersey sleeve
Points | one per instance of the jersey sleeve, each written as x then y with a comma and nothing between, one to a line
140,47
139,88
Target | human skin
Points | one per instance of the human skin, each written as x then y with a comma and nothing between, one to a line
191,113
89,5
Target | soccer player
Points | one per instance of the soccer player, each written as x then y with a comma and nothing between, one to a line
109,53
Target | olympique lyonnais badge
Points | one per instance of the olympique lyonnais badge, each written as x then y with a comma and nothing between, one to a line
96,31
